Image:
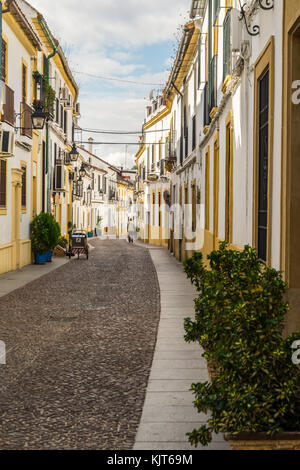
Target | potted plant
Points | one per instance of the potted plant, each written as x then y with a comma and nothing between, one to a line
44,233
39,235
239,320
54,234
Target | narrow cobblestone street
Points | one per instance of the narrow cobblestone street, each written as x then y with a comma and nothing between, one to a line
80,344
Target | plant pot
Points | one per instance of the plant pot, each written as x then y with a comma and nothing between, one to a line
260,441
49,256
40,258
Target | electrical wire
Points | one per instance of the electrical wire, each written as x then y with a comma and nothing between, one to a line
96,131
102,77
114,143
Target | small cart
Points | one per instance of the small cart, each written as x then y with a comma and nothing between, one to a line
79,244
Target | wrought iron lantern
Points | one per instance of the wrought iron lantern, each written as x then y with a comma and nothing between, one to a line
74,154
38,117
82,171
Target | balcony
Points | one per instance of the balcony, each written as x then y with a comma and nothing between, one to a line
26,112
9,107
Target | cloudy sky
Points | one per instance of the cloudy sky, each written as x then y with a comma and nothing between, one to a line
132,40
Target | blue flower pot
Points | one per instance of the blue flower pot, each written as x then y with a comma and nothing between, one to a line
49,256
40,258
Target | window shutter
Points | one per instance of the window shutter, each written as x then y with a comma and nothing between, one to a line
199,61
61,116
57,110
3,183
216,10
3,60
44,64
226,45
65,122
24,83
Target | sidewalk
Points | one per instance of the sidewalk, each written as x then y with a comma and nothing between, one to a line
16,279
168,412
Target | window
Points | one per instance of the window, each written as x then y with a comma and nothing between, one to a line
24,187
153,209
44,64
216,187
213,82
206,117
194,207
159,214
226,46
263,166
228,181
61,116
57,111
65,122
216,10
207,174
3,184
24,83
148,159
4,61
153,157
186,133
194,133
199,61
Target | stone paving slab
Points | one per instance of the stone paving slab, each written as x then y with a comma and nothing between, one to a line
168,412
172,414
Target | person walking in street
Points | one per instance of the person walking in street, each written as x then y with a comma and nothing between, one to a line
131,231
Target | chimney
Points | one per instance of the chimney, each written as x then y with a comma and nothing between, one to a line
91,141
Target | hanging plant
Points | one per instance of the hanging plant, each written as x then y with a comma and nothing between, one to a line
49,95
37,76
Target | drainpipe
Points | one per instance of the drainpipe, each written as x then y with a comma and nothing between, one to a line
48,35
47,123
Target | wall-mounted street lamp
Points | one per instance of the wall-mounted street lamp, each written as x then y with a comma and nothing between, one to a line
38,117
89,194
74,154
80,181
82,171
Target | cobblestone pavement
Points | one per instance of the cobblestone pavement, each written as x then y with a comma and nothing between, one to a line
80,343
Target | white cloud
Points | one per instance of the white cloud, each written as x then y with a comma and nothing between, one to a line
106,37
113,22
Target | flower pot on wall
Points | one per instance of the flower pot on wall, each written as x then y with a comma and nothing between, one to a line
260,441
40,258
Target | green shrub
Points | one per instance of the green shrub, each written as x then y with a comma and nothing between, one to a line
239,321
54,231
44,233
